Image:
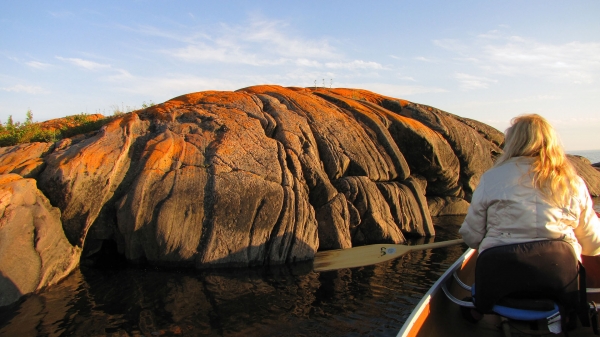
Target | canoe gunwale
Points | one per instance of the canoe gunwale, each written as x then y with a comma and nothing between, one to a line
435,288
436,306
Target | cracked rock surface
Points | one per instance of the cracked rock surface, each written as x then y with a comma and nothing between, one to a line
260,176
264,175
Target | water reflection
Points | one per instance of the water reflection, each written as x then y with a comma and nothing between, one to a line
371,300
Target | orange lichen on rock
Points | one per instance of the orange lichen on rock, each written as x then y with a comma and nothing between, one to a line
24,159
6,178
68,122
261,175
365,95
165,110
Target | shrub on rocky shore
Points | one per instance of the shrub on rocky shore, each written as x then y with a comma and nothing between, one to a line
14,133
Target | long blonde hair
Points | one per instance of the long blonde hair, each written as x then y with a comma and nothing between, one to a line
532,136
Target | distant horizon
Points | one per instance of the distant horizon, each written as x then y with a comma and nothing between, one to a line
595,158
488,61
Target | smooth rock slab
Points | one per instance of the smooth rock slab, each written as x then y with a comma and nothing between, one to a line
34,252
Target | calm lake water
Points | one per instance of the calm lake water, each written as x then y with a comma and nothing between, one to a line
592,155
290,301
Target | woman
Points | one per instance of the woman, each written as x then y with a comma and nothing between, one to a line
532,193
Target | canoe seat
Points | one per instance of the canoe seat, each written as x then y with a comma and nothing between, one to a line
525,309
528,315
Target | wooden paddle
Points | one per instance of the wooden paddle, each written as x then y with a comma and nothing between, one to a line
370,254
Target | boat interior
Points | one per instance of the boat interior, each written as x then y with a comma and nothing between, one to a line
443,317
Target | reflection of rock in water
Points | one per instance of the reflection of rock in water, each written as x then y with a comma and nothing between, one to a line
43,313
255,302
146,323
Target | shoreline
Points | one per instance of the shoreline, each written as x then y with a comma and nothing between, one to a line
592,155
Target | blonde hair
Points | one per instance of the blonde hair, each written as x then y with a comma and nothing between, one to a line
553,174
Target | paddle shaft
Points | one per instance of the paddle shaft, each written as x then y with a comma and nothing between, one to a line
368,255
436,244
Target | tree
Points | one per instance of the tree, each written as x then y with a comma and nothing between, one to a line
29,117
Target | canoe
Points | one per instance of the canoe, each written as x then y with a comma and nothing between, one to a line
437,316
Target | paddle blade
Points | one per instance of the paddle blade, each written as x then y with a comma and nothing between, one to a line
358,256
368,255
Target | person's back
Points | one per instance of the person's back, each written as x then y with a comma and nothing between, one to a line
533,193
530,199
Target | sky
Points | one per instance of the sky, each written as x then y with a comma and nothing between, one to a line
485,60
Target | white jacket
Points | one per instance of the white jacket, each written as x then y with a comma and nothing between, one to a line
506,209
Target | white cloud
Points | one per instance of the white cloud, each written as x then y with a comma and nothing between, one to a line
32,64
474,104
511,55
28,89
61,14
272,35
221,52
121,75
281,55
452,45
469,82
86,64
38,65
187,37
425,59
575,62
109,73
406,78
302,62
173,85
354,65
398,91
258,43
492,34
576,121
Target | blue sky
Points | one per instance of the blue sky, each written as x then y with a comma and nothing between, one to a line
486,60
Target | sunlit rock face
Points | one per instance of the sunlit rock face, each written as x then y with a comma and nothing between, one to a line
589,173
264,175
25,160
34,251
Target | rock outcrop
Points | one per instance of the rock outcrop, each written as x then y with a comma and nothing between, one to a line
25,159
264,175
34,252
69,122
590,175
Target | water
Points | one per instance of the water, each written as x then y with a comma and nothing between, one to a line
292,301
592,155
